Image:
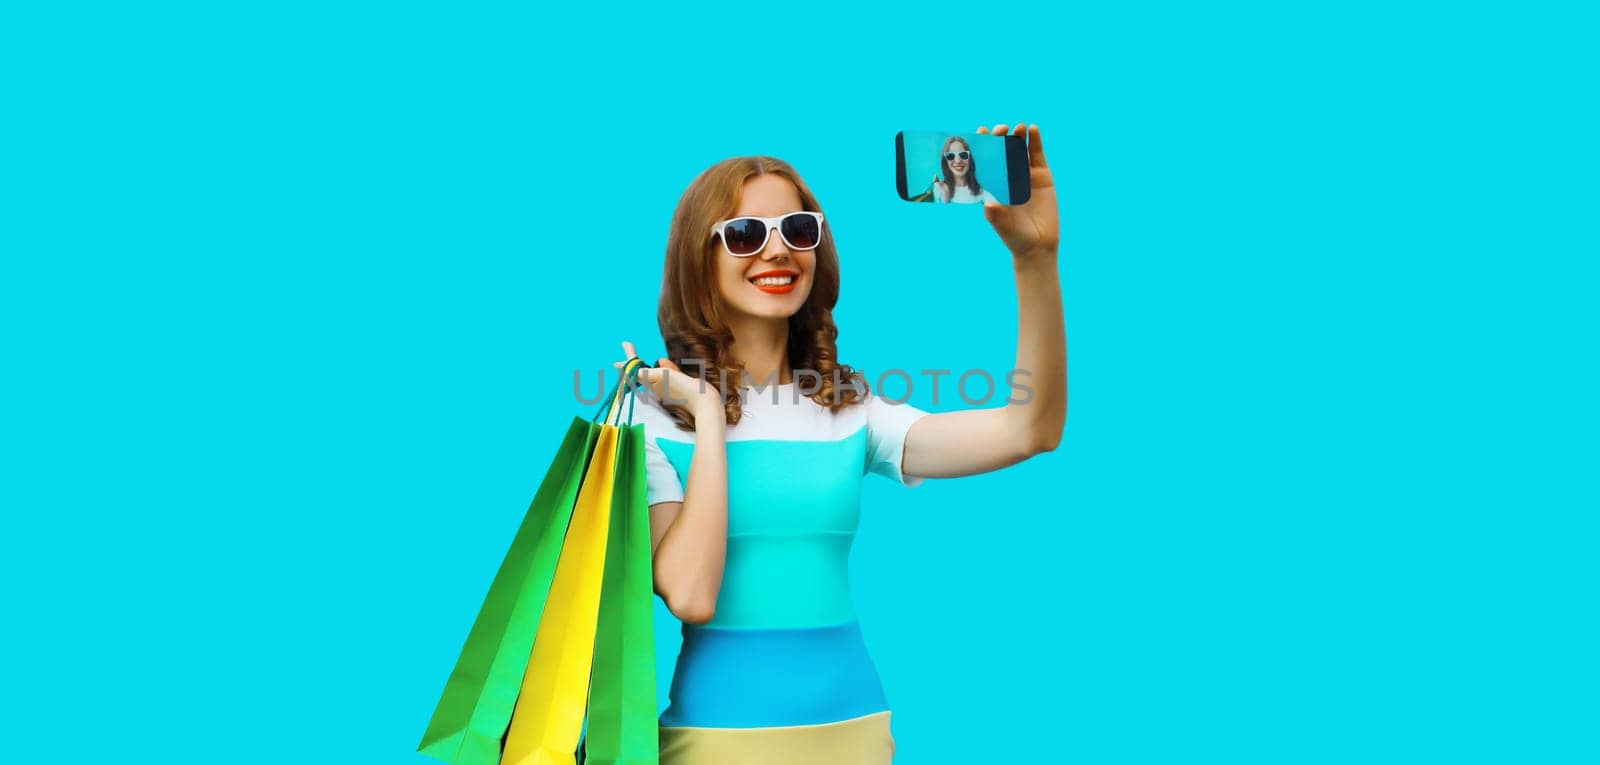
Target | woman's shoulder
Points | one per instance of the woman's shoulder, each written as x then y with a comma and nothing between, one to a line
780,413
766,413
786,412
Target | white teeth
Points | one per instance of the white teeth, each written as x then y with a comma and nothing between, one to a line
773,281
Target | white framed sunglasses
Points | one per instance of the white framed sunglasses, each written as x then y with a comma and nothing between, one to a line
747,235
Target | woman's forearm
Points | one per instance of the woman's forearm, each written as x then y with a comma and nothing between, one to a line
1041,352
689,560
972,441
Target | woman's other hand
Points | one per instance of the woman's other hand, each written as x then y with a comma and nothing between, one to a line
672,385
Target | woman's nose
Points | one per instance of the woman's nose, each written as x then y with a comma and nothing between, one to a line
775,249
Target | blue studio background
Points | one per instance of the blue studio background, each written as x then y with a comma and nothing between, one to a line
292,295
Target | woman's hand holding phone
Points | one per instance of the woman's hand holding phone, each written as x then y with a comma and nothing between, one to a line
1032,229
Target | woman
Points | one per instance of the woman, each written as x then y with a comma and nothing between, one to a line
754,489
959,171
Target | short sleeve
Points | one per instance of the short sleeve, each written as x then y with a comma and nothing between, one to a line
887,425
661,478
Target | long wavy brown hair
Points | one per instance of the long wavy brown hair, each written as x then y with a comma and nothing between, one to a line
691,307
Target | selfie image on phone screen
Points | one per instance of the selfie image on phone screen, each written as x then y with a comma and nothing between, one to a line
961,168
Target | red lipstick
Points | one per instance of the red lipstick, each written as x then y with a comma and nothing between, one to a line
779,282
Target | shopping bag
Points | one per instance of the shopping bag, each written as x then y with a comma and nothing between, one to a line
549,715
471,718
622,690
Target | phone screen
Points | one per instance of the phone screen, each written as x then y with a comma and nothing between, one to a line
961,168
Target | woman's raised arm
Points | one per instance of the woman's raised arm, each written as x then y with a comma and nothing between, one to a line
950,444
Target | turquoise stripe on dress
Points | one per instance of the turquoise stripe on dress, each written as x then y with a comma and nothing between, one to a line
793,509
770,678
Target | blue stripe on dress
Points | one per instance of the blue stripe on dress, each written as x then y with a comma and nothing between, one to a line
759,678
793,509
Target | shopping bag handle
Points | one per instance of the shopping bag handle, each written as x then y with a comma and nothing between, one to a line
627,385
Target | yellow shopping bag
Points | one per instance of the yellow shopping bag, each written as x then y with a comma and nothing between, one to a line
548,718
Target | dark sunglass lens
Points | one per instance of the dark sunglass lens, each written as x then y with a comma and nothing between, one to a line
801,231
744,236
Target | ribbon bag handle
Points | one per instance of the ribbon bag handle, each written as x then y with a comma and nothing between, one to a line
610,412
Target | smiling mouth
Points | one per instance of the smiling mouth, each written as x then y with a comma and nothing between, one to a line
775,284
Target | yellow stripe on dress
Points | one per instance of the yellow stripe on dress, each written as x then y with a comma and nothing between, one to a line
859,741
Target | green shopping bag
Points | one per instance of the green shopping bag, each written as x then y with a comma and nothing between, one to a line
622,688
476,705
470,724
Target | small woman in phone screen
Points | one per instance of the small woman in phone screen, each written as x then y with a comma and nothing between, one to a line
958,179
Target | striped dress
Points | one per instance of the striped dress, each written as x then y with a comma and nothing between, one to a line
780,674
